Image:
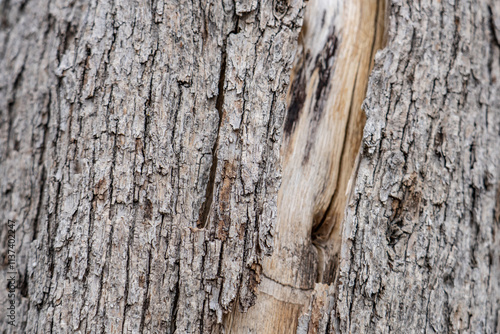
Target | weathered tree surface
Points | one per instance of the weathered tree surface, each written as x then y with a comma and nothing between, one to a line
140,149
322,135
420,251
140,158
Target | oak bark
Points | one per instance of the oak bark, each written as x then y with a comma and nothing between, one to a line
141,159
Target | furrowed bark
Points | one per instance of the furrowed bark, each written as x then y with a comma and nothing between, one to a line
140,158
140,148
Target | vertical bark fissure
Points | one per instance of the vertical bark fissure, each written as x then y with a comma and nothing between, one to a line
175,303
50,246
127,266
105,272
205,208
39,205
145,303
10,106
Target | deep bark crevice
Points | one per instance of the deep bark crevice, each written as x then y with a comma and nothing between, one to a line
205,208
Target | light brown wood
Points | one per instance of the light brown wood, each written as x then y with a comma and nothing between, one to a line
322,135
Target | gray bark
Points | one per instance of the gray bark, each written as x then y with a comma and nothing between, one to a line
140,159
140,155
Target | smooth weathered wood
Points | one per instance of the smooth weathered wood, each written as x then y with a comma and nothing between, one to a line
322,136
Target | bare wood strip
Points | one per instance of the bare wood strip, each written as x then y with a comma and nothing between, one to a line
322,135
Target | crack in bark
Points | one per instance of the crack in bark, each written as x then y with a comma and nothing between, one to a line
204,214
205,208
145,304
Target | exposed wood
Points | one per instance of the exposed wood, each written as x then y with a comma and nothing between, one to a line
322,135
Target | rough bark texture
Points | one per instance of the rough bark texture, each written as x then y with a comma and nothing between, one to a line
140,158
420,247
139,154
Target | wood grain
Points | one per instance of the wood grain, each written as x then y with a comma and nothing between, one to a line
322,134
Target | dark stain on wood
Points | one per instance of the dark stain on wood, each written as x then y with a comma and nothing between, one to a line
298,91
324,62
331,269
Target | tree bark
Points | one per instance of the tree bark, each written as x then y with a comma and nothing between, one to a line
141,148
141,153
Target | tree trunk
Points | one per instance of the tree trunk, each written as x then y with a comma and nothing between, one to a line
153,154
